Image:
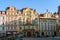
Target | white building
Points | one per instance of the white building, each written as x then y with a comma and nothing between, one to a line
2,24
47,24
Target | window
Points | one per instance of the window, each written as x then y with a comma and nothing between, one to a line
10,13
11,28
23,19
48,26
25,13
59,20
8,28
15,23
36,27
12,9
14,28
20,28
19,18
3,28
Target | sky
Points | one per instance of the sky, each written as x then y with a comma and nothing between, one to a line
40,5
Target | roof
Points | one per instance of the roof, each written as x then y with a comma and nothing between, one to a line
10,7
41,15
26,8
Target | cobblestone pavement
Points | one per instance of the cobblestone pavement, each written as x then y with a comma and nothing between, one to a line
48,38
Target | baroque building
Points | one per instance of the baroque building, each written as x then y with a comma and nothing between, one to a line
23,21
47,24
28,22
27,17
11,20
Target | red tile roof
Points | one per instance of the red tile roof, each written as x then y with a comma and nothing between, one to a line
41,15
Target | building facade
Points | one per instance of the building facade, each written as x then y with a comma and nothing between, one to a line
28,22
2,24
27,17
47,24
57,15
21,21
11,21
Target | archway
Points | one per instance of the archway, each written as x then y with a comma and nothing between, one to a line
42,34
37,34
28,34
55,34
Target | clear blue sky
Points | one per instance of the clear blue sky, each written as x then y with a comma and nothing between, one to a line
39,5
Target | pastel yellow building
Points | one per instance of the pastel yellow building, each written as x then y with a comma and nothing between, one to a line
20,21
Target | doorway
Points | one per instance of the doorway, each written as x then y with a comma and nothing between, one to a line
42,34
28,34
